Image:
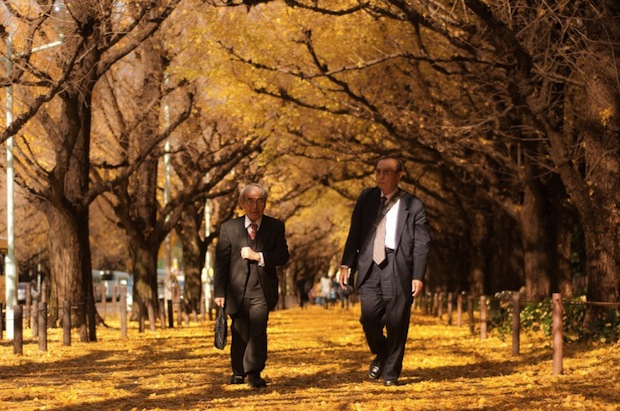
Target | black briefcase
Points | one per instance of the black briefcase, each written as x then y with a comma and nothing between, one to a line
221,329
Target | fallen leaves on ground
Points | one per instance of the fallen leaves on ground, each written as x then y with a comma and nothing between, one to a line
318,360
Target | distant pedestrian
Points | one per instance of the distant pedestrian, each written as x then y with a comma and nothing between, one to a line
325,290
302,292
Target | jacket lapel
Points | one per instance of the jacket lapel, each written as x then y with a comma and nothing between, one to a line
243,232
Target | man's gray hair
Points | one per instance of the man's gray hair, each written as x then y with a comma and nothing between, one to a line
252,187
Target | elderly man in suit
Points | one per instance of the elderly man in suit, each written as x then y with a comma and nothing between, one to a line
388,246
248,251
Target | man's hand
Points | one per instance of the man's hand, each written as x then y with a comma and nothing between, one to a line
416,287
248,254
219,301
344,277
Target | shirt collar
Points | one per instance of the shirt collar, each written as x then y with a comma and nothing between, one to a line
389,195
248,222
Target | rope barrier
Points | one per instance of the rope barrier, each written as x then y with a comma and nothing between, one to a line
525,302
602,303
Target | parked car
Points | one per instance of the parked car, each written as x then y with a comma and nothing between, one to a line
21,293
129,284
176,279
161,277
111,279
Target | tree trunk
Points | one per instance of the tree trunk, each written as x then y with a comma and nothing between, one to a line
602,158
193,258
142,200
534,232
505,242
479,253
564,224
597,202
594,187
602,220
68,184
603,269
145,296
65,261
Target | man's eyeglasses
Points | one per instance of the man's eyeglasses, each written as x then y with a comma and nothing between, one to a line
385,172
252,201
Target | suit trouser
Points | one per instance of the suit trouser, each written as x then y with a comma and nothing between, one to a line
248,349
384,306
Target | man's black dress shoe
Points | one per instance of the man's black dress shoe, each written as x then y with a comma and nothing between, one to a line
376,368
237,379
390,383
255,381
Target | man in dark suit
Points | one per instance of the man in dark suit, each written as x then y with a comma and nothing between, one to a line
248,251
388,246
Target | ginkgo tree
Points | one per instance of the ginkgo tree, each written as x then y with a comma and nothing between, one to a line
205,153
505,96
59,88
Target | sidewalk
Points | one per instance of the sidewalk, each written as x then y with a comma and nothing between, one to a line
318,361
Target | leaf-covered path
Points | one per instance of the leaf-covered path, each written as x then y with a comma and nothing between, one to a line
318,361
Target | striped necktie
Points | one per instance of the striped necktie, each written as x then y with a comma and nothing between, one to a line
253,229
378,251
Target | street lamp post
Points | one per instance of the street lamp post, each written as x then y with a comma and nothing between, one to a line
207,279
9,262
10,268
168,246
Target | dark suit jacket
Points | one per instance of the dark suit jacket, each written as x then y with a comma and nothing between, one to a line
412,239
231,271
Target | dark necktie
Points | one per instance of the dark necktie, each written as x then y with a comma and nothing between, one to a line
378,251
253,228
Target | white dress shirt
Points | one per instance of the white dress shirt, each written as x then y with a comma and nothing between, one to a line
391,222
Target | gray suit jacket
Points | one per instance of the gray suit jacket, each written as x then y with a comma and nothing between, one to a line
230,271
412,239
